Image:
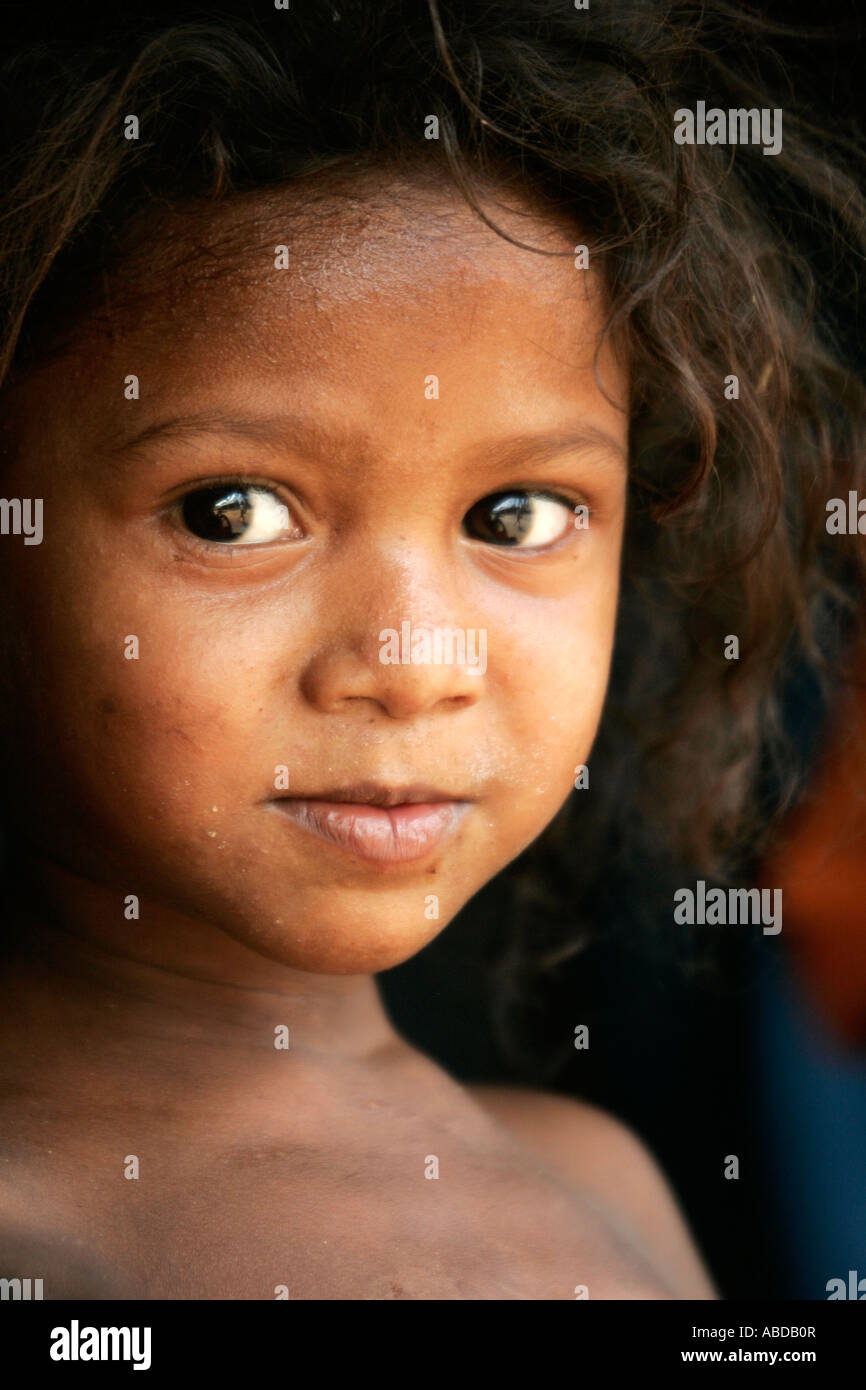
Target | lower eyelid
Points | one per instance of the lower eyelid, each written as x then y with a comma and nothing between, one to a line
191,547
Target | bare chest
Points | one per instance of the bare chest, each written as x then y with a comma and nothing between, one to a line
331,1221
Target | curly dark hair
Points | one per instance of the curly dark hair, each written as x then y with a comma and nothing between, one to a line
718,260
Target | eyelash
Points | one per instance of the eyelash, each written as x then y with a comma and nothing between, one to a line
172,512
249,481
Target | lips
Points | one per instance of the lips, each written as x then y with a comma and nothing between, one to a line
378,823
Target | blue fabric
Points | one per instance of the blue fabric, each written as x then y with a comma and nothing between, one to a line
812,1120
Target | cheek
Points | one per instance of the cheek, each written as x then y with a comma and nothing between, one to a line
131,706
556,680
178,727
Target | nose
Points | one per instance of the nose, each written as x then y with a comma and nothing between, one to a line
397,641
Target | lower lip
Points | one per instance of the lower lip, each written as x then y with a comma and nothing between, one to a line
385,835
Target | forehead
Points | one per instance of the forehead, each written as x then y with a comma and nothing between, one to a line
336,252
387,280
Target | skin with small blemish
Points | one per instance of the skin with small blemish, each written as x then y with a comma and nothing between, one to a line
156,776
245,666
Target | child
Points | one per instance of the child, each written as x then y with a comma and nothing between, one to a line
336,345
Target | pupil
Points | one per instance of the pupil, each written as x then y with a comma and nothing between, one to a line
507,519
216,513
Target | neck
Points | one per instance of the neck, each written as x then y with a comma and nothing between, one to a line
176,980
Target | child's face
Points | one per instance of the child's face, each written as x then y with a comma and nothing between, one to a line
160,775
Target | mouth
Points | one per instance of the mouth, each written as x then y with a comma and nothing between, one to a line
382,824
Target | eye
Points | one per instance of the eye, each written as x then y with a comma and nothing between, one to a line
512,518
235,513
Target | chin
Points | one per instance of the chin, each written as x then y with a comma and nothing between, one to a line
334,947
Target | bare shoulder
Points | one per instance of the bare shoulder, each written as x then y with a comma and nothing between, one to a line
608,1162
42,1255
48,1264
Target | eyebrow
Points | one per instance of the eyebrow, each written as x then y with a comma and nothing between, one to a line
302,434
